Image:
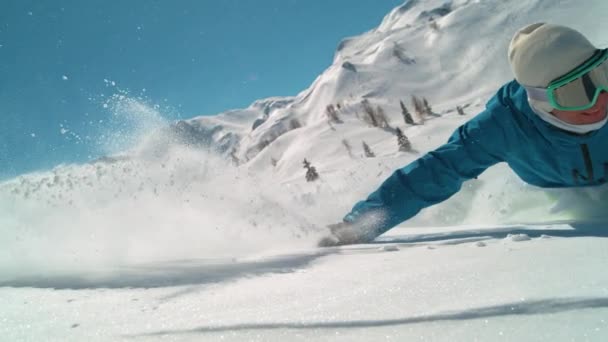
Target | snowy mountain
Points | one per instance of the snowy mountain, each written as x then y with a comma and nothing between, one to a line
172,240
452,53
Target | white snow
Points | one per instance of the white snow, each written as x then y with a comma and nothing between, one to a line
167,240
518,237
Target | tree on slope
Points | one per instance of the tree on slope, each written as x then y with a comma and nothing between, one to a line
418,108
311,171
407,117
368,151
404,143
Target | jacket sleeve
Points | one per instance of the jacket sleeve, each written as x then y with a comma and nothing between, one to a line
434,177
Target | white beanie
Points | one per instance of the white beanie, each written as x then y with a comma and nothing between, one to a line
540,53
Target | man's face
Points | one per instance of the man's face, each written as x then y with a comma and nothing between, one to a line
592,115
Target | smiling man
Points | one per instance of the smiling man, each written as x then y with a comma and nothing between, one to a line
548,125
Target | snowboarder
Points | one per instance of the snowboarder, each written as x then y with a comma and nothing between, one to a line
548,125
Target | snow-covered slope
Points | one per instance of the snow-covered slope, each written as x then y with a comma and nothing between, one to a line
171,240
451,52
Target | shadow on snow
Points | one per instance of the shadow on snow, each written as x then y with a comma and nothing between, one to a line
535,307
578,229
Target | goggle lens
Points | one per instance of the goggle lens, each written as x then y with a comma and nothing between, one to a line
580,90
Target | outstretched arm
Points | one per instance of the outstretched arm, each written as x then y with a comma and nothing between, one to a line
431,179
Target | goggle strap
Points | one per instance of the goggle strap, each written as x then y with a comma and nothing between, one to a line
598,55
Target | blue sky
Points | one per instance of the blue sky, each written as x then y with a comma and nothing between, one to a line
58,60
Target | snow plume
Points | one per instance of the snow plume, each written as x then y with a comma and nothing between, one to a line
184,204
132,118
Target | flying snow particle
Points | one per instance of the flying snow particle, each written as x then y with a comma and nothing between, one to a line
33,135
63,130
64,77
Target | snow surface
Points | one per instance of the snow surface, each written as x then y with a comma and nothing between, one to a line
192,234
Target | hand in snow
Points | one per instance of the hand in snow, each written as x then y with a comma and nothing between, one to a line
342,233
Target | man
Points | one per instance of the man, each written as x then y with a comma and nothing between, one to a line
548,125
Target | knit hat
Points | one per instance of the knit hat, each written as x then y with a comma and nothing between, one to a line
540,53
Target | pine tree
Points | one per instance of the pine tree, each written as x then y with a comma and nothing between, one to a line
407,117
404,143
368,152
418,108
332,114
367,108
381,118
427,108
311,171
460,110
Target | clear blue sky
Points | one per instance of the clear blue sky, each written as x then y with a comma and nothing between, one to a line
194,57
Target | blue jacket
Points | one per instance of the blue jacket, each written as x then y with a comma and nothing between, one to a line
506,131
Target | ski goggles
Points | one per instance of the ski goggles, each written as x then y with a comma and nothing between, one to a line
578,89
